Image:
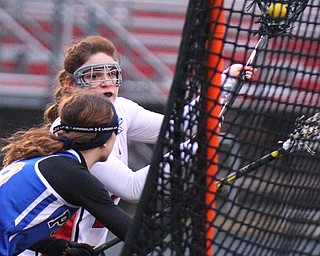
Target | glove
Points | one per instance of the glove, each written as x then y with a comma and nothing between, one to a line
78,249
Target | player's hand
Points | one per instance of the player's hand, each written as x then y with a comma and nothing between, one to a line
235,71
78,249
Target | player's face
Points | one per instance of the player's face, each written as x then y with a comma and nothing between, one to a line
107,148
108,88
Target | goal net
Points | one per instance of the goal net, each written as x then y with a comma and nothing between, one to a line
236,169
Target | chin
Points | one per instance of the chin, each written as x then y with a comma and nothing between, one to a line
102,159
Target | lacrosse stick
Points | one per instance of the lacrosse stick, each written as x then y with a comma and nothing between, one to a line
232,95
269,28
159,218
102,247
306,137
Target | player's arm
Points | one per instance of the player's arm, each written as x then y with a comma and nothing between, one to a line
143,125
77,186
119,179
92,196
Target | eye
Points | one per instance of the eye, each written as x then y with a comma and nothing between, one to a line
94,75
97,75
113,73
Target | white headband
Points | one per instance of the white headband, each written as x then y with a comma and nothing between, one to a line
54,124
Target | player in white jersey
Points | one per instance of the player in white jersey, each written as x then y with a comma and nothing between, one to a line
46,178
91,64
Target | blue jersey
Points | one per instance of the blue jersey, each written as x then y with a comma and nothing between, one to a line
30,208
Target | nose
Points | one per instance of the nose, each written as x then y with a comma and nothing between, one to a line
107,83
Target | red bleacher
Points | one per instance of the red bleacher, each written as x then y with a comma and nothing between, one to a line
147,34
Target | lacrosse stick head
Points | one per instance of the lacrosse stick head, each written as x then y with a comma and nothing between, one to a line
274,27
306,135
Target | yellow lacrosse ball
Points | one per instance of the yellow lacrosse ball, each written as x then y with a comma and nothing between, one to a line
277,11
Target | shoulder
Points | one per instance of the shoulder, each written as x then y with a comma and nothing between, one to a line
60,160
124,103
128,109
68,177
69,155
62,163
123,106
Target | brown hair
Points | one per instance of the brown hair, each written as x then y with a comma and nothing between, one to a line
81,108
74,57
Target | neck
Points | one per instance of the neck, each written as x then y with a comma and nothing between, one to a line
91,157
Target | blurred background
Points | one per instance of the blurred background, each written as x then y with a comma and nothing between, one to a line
147,34
34,33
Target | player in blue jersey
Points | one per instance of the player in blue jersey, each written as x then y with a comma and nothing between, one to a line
45,178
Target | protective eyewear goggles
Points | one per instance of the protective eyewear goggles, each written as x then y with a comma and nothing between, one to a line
93,75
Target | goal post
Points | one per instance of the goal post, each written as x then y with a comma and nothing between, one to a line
213,108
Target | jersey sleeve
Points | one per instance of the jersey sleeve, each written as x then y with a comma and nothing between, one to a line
73,182
120,180
96,200
144,125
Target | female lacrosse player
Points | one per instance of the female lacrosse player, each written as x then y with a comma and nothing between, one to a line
92,64
46,179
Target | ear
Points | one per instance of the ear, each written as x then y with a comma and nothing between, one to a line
104,145
69,81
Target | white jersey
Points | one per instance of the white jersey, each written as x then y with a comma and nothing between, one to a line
140,125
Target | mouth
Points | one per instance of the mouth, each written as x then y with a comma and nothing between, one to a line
108,94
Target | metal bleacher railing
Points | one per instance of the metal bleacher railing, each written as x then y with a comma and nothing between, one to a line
34,33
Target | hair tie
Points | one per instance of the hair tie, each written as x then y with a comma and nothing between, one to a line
67,143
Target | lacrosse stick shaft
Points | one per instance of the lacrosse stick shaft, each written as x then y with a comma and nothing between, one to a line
232,95
102,247
251,167
305,130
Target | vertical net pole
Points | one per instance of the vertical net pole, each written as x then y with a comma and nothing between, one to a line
214,71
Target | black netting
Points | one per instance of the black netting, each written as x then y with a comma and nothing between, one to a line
274,208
